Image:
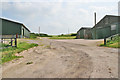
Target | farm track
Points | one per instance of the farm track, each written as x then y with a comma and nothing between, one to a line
64,59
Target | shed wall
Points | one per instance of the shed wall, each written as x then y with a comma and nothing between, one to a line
26,33
87,34
10,28
84,34
104,28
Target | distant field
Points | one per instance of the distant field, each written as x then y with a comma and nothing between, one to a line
9,53
63,37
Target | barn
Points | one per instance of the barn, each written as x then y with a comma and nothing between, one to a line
106,27
84,33
11,28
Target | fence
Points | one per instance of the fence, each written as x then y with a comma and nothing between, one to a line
7,42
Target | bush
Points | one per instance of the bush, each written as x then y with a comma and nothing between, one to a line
44,35
35,35
32,35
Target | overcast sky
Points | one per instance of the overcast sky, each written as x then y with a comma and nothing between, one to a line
56,16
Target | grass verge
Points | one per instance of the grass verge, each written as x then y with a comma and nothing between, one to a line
8,54
114,43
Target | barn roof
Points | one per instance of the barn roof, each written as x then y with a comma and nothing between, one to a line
16,23
84,28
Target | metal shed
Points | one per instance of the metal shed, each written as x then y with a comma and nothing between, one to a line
106,27
84,33
11,28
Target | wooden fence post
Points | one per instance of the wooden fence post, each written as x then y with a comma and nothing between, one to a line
16,40
104,41
111,37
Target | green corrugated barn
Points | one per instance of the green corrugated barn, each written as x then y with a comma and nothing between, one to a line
84,33
11,28
106,27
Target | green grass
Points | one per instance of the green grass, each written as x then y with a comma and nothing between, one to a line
4,45
63,37
8,54
114,43
35,35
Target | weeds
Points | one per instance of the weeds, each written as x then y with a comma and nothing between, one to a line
114,43
9,53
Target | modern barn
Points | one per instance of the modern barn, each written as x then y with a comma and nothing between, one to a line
106,27
84,33
11,28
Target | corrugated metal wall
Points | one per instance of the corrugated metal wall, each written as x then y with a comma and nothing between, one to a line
87,34
106,28
84,34
26,32
10,28
118,30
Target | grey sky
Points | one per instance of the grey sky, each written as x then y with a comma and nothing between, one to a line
56,16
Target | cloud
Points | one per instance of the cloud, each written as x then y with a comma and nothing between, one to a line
59,1
105,8
55,17
119,8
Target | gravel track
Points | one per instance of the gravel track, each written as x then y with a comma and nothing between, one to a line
64,59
